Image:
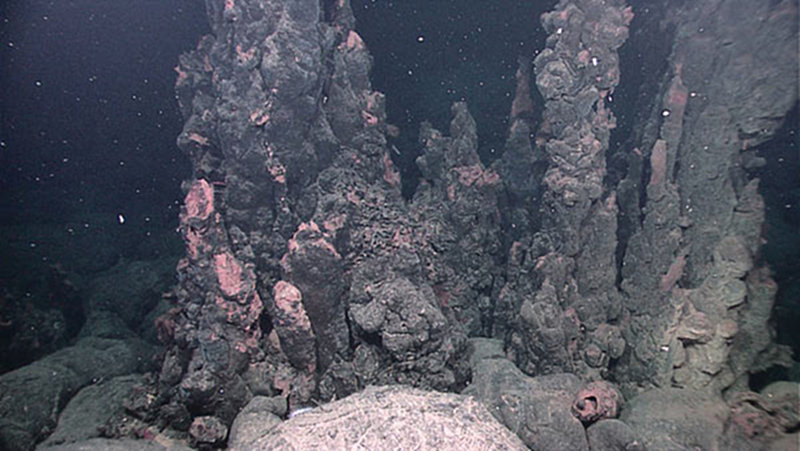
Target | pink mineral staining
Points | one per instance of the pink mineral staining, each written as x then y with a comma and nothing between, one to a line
598,400
677,94
583,57
259,117
182,75
628,14
193,244
658,163
199,201
489,177
198,138
198,205
353,198
321,242
390,175
401,237
674,273
276,169
335,223
229,273
467,175
245,56
475,175
310,226
354,41
369,118
289,301
299,239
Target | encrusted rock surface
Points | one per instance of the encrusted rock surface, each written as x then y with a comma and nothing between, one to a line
695,292
306,274
537,409
392,418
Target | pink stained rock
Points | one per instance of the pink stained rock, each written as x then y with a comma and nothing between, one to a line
335,223
475,174
245,56
467,175
182,75
300,239
658,163
677,95
197,206
199,201
628,14
198,138
674,273
194,243
390,175
276,169
369,118
289,301
451,192
229,274
259,117
489,177
584,56
597,401
354,41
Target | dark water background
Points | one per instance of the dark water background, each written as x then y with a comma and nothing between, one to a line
89,118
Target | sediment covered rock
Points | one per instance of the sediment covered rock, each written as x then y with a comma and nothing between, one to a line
31,397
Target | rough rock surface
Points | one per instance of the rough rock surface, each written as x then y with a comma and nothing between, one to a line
118,300
393,418
613,435
31,397
259,415
694,293
598,400
537,409
459,221
677,419
87,413
763,420
560,303
678,296
102,444
304,273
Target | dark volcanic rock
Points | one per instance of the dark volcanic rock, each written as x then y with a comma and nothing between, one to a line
87,413
697,299
32,396
676,419
560,300
102,444
459,222
308,276
537,409
613,435
303,275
